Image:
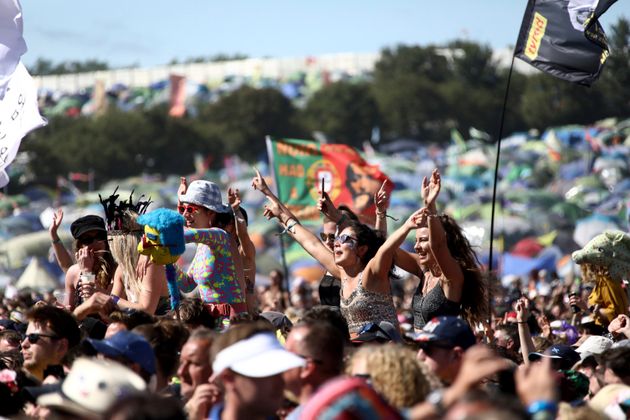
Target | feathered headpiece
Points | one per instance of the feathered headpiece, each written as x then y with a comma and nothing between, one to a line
117,214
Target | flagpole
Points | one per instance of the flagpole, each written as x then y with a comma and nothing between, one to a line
280,231
496,176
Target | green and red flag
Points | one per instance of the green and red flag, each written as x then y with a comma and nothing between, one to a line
299,166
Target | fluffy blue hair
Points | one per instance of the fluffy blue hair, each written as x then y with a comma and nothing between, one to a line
170,224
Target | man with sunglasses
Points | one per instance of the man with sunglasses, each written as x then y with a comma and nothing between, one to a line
50,334
443,342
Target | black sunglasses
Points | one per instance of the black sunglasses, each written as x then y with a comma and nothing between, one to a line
91,239
327,236
34,337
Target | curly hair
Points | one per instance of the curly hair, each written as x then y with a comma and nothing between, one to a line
475,294
395,373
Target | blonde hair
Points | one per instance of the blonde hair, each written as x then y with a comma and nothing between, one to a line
124,248
396,373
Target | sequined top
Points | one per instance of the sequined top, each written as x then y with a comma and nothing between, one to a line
212,268
434,303
365,306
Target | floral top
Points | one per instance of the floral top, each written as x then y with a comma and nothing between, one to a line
212,268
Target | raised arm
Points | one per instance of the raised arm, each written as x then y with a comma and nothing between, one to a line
380,265
61,253
302,235
524,335
382,202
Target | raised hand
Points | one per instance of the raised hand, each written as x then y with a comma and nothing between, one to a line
479,362
183,186
620,325
381,199
85,259
271,210
536,382
431,189
234,198
417,219
56,222
521,310
259,183
327,208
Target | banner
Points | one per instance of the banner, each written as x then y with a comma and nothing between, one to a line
564,38
12,45
300,165
18,116
177,107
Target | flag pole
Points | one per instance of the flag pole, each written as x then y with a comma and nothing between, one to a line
268,140
496,178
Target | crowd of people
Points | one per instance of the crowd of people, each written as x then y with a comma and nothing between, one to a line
386,333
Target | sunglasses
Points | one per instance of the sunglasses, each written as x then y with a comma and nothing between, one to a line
346,239
188,208
34,337
88,240
327,237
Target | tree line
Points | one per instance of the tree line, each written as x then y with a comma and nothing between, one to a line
415,92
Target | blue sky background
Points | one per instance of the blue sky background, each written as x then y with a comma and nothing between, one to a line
150,33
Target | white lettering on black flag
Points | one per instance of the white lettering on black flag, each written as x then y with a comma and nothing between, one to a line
18,116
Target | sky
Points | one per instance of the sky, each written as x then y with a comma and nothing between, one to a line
152,33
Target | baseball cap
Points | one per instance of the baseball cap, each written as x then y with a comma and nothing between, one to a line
446,331
565,354
206,194
128,345
379,332
87,224
258,356
92,387
594,345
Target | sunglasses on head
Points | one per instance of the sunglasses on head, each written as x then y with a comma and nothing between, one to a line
188,208
88,240
34,337
346,239
326,237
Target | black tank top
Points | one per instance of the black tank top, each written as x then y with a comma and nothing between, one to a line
433,304
330,290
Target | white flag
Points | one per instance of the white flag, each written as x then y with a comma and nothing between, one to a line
12,45
18,116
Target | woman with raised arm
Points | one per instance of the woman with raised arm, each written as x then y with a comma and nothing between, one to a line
451,280
365,291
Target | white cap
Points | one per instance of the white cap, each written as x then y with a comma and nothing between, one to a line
594,345
92,387
259,356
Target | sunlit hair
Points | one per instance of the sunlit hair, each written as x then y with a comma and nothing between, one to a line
395,373
475,293
124,248
366,236
104,265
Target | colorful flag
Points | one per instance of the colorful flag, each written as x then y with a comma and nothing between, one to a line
19,115
299,167
564,38
177,107
12,45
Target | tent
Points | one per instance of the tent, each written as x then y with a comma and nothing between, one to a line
36,277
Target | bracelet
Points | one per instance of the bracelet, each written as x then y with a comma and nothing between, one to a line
381,215
115,299
290,226
542,405
56,241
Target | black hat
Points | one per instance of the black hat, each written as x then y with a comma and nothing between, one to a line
87,224
566,355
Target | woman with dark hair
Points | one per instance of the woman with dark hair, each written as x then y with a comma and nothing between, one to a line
451,280
355,259
95,267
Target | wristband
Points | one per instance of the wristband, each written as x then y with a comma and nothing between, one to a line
542,405
115,299
56,241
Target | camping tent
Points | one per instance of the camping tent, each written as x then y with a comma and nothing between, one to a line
36,277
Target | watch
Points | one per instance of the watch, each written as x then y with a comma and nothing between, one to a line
436,399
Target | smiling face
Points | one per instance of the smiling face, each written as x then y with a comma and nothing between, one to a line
346,248
197,217
422,247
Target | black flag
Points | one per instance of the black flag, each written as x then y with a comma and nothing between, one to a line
564,38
